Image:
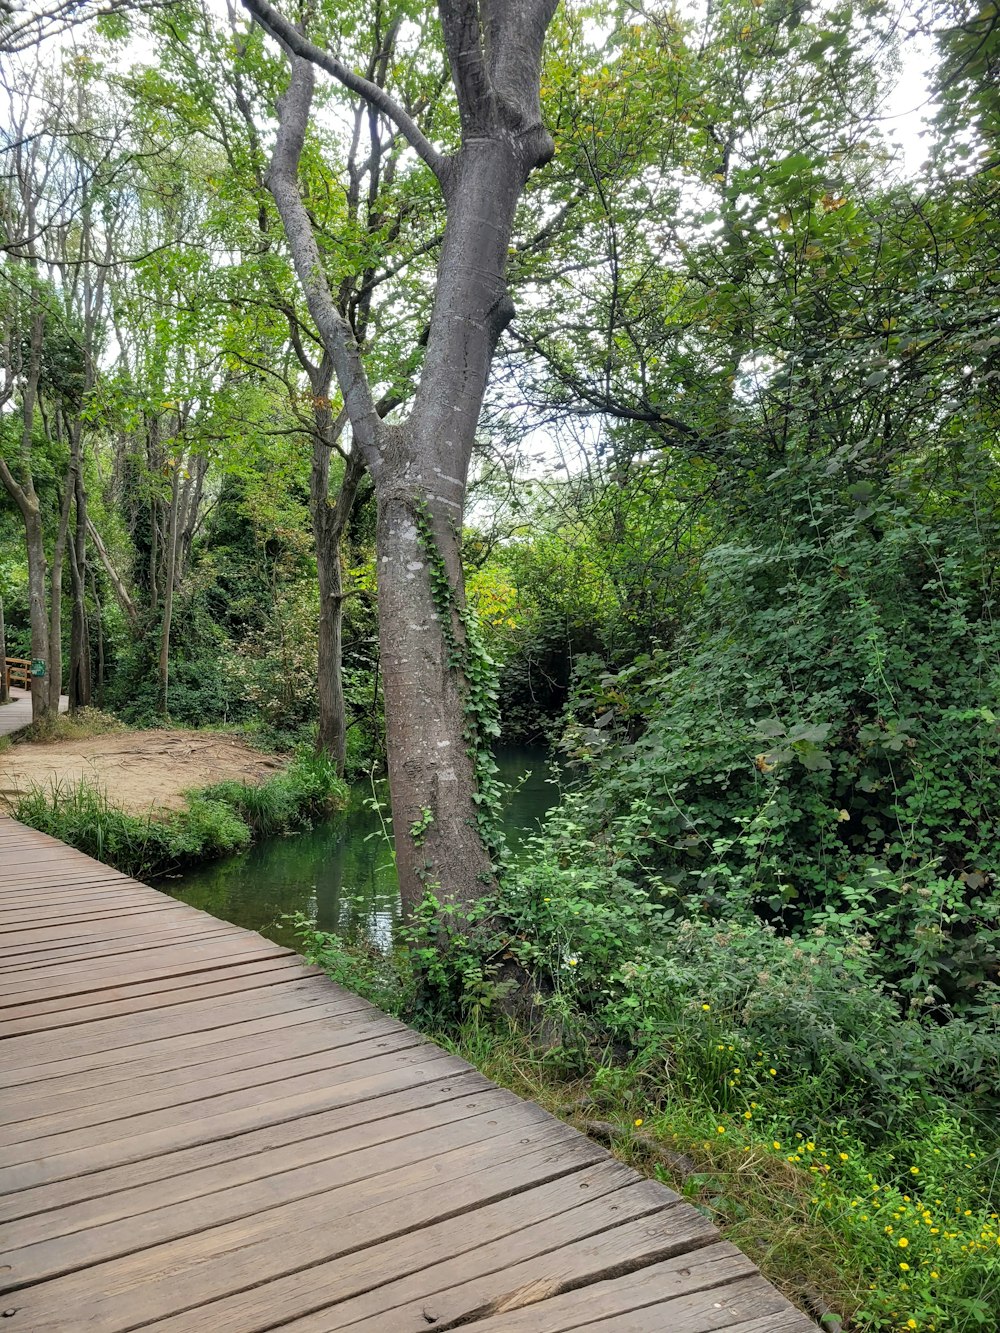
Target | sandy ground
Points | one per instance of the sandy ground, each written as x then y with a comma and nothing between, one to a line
137,769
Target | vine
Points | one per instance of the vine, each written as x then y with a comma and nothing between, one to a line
468,658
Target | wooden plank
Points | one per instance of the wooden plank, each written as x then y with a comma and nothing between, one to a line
52,960
185,1051
418,1281
168,1091
712,1288
171,1048
46,1015
71,980
132,933
41,1019
64,1155
73,881
187,1273
100,886
63,921
183,1177
312,1167
114,1192
669,1237
147,919
99,1097
132,1030
437,1260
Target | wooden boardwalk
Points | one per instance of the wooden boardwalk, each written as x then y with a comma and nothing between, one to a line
16,715
201,1133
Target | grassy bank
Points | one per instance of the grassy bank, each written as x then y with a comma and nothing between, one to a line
851,1150
217,820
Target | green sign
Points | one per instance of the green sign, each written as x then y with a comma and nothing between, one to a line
38,668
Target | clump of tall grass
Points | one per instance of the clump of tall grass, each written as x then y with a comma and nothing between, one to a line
216,821
293,799
78,726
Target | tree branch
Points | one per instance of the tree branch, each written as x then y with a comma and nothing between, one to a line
282,180
284,32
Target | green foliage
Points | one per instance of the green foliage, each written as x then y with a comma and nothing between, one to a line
802,755
387,980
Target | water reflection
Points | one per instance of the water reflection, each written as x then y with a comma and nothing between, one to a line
341,874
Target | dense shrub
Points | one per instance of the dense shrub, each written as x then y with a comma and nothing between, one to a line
823,747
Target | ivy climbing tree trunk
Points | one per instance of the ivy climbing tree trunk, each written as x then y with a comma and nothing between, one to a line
435,728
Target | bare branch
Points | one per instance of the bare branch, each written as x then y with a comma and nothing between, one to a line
289,36
293,112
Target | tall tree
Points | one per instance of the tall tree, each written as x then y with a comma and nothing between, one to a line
420,464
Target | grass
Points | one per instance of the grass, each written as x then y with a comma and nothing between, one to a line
78,726
885,1229
217,820
902,1238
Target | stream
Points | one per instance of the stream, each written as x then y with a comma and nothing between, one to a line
340,874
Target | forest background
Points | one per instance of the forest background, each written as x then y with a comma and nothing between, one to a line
730,545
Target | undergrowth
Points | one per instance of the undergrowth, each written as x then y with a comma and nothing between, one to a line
218,820
850,1148
78,726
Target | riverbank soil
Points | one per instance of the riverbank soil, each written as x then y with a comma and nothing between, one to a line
137,769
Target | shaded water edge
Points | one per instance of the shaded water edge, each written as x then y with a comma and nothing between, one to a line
341,874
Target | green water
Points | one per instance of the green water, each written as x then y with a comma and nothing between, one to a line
341,874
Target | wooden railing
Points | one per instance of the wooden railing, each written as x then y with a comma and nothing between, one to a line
18,672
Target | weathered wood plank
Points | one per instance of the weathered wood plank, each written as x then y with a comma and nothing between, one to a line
427,1273
169,1093
46,1015
304,1170
113,1192
187,1273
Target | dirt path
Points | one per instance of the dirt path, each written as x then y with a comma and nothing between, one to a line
137,769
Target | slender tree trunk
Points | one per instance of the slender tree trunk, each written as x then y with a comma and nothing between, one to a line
37,612
121,592
99,611
24,496
329,524
3,657
55,672
168,592
79,651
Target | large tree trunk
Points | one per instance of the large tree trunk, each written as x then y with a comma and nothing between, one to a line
420,467
430,728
